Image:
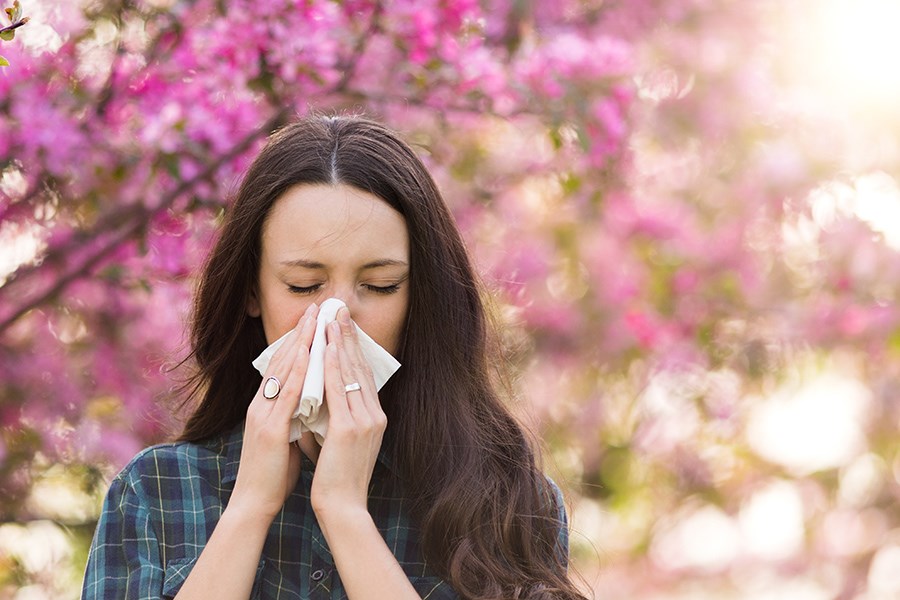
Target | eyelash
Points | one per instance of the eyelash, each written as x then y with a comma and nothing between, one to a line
387,289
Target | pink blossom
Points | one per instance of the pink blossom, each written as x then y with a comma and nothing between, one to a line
645,329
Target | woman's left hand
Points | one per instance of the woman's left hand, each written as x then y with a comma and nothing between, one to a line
356,426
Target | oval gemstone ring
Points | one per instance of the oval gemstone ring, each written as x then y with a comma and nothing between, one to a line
272,388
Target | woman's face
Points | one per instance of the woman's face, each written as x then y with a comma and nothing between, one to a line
323,241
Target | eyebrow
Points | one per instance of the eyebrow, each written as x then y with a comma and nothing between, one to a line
311,264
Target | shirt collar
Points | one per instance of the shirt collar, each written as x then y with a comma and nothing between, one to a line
233,442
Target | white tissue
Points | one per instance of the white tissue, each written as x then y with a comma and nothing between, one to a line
311,414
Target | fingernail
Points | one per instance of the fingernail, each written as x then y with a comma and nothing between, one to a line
344,316
310,309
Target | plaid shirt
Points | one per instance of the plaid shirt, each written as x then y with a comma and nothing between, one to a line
162,508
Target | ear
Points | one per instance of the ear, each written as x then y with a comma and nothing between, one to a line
253,305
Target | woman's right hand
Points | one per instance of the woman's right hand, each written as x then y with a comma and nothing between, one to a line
270,464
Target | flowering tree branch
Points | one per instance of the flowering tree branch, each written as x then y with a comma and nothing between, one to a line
8,33
118,229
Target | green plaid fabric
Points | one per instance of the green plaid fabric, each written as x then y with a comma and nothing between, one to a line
162,508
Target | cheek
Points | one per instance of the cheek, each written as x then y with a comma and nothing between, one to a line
394,330
281,317
377,329
385,327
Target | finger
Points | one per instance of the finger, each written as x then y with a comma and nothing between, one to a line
277,371
339,412
273,369
345,373
350,345
279,366
354,364
292,387
351,339
348,374
284,356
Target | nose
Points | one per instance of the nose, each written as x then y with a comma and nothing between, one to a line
346,294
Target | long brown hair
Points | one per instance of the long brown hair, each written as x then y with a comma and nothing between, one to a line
487,513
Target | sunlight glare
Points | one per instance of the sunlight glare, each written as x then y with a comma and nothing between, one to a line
771,521
849,48
812,426
19,245
864,45
705,539
873,198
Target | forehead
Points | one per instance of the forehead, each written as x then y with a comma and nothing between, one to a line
333,224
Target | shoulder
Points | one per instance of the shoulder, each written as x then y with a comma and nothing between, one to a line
558,510
555,497
158,467
157,460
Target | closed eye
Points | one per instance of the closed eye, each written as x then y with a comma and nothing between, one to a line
304,290
386,289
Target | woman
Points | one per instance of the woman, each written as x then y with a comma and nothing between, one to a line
426,489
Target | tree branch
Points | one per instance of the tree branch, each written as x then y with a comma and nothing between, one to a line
359,49
134,222
14,26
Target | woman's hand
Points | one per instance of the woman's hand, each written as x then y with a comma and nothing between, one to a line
270,464
355,427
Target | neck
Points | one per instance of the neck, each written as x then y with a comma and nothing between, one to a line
309,446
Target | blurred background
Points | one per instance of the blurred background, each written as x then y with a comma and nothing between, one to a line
688,211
